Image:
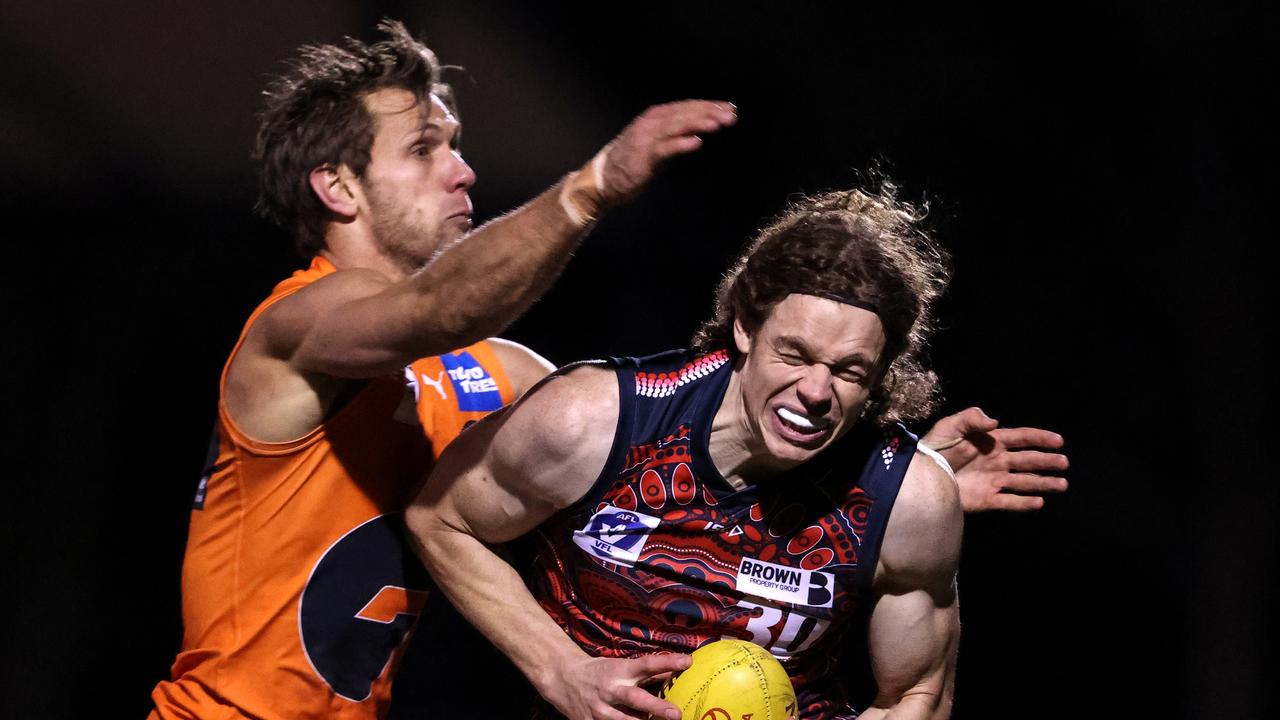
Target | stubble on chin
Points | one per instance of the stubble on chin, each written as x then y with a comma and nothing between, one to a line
408,246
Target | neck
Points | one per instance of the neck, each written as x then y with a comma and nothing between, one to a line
351,245
736,447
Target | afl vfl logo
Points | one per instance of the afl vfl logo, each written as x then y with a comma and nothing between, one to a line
615,534
362,598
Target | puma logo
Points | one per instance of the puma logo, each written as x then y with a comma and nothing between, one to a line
438,384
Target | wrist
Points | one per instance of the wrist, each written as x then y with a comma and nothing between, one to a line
582,193
548,672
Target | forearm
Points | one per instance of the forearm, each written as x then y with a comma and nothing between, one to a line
481,284
470,291
511,261
914,656
491,595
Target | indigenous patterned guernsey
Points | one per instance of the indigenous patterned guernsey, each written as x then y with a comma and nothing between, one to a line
662,554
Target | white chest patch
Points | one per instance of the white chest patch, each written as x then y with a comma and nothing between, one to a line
615,534
786,584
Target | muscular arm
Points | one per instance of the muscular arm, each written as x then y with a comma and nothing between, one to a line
364,326
915,625
356,323
499,480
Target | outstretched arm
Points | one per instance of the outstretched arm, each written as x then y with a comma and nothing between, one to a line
915,624
999,468
501,479
363,325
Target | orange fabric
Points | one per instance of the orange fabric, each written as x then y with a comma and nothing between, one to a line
281,522
437,394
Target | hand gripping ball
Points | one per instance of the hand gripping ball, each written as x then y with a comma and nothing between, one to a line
732,680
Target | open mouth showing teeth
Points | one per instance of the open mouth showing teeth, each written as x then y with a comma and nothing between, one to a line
801,423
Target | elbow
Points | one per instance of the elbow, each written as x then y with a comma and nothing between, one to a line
419,521
940,708
451,333
921,705
437,543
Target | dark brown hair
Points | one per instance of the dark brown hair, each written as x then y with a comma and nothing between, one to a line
315,115
867,247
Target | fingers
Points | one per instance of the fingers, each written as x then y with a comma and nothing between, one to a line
1014,503
972,420
658,680
691,123
681,119
676,127
687,117
1029,483
639,699
693,116
648,666
658,134
1036,461
677,146
606,712
627,694
1028,437
952,429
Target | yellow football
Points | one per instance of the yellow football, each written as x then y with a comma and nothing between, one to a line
732,680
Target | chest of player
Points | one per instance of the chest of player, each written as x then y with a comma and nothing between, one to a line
776,565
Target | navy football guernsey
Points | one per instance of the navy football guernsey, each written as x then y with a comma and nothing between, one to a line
662,554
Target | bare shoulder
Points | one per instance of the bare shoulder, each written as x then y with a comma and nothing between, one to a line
576,403
519,465
284,325
922,540
523,367
266,395
566,422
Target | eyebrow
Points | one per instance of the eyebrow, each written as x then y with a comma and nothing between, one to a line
796,343
429,127
434,130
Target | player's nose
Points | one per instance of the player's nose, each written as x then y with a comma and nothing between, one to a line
461,177
814,388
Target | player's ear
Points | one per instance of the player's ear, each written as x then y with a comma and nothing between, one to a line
336,186
741,338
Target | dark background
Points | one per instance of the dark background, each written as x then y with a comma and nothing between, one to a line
1103,173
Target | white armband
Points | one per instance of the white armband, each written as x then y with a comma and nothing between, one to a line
581,195
937,457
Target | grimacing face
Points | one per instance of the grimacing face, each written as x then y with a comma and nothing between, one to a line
808,370
416,183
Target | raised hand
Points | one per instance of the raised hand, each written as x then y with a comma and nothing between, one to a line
658,134
623,167
999,468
